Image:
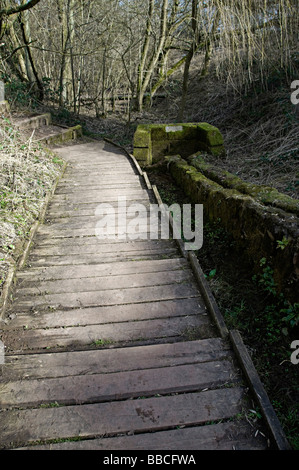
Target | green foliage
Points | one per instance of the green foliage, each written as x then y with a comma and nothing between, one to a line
282,244
17,92
280,315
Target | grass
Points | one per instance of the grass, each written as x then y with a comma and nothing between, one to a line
27,173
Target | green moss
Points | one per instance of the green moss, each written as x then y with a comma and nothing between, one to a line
142,137
143,155
210,135
185,138
254,227
261,193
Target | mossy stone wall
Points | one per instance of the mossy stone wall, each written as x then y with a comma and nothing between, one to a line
153,141
255,227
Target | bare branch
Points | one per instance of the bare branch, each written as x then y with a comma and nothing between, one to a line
19,9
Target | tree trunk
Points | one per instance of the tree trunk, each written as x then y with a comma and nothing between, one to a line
18,51
30,64
66,81
144,54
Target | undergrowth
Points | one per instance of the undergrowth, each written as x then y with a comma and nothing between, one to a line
27,173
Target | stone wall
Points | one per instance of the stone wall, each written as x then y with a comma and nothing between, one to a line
256,217
153,141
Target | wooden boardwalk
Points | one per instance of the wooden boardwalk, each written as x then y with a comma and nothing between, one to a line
109,343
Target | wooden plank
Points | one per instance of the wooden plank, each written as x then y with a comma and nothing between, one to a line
44,241
100,168
74,187
53,318
97,388
99,193
91,223
83,210
111,296
106,361
82,205
109,269
93,202
151,414
98,196
130,233
99,180
102,190
99,248
104,283
237,435
101,258
109,334
105,173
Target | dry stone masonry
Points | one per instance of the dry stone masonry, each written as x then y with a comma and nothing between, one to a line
154,141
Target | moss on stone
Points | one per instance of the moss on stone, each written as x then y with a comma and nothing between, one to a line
142,137
255,227
261,193
143,155
210,134
185,138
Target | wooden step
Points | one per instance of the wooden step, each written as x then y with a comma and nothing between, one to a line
107,361
141,415
236,435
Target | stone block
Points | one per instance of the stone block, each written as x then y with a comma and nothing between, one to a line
171,139
143,155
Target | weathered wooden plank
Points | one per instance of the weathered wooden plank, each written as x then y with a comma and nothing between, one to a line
105,361
91,223
53,318
111,297
98,196
109,269
99,168
151,414
99,180
128,233
96,388
102,258
103,283
237,435
84,210
121,190
86,171
98,248
45,241
65,188
93,203
72,209
109,334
